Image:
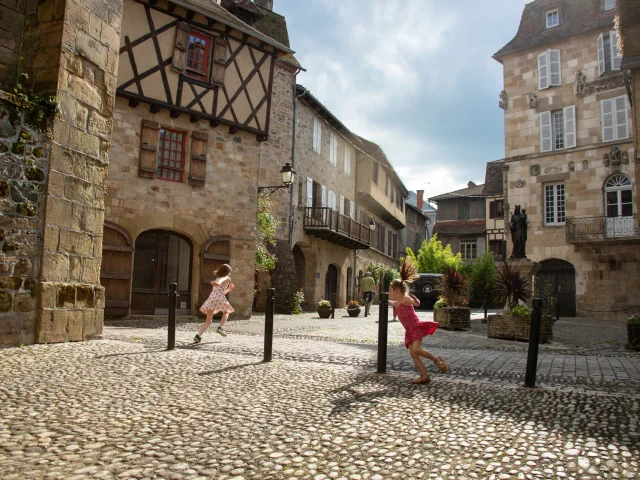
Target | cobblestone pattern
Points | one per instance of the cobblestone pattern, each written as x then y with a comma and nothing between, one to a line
512,327
451,318
202,414
24,166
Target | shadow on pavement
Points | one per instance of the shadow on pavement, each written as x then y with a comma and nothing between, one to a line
229,369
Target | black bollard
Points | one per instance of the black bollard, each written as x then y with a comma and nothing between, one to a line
268,324
534,340
173,300
333,306
557,308
383,325
486,307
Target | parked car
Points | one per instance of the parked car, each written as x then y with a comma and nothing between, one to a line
424,288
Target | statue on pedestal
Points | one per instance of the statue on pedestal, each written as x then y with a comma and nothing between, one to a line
518,228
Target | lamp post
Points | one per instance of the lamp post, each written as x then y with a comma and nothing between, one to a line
288,174
372,225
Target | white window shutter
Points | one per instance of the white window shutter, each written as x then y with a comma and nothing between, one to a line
569,114
555,67
545,132
352,210
607,112
309,192
332,149
601,62
319,138
347,160
543,71
333,200
616,58
324,196
341,204
621,119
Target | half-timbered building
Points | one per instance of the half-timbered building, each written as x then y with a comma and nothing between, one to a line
194,136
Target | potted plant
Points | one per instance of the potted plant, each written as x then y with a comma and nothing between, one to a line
512,288
324,308
633,331
353,308
451,311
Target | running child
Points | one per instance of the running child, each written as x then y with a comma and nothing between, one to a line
217,302
415,329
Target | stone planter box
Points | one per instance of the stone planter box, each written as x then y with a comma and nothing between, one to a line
453,318
517,328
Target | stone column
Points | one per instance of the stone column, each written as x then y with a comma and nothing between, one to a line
75,57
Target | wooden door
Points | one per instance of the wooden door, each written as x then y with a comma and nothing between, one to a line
561,275
216,252
115,273
349,284
331,283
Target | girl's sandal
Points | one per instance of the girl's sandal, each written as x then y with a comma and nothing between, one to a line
441,365
423,380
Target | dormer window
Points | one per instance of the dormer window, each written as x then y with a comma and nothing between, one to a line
608,5
553,18
198,56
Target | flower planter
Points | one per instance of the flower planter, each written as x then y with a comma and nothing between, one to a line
353,312
453,318
633,335
511,327
324,312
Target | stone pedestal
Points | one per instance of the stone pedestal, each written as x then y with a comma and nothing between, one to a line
526,266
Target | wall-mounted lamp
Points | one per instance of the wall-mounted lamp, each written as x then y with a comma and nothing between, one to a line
288,175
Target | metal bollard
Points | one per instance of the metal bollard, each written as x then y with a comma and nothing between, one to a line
268,325
173,300
557,308
333,306
486,307
534,340
383,326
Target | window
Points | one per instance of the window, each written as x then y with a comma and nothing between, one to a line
332,200
375,171
469,248
558,129
549,69
317,136
333,150
496,209
463,211
554,204
616,57
386,185
310,195
553,18
609,58
198,56
615,122
608,5
347,160
171,155
498,248
618,196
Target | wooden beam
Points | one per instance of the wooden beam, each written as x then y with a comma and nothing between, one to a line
233,130
134,102
194,118
190,14
154,108
210,22
171,7
174,114
214,123
262,138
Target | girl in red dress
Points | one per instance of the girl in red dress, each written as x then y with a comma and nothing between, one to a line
217,302
415,329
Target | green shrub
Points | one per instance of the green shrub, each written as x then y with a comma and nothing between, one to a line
634,319
442,302
293,303
521,311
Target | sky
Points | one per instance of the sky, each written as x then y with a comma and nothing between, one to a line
414,76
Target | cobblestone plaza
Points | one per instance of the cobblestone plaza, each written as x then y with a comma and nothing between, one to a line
124,407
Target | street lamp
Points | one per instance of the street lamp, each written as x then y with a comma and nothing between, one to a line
372,225
288,174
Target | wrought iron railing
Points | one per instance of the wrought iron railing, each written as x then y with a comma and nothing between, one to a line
580,229
325,217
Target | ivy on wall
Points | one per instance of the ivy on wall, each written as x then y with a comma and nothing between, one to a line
266,227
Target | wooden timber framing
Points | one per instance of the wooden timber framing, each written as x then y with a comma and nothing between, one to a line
147,72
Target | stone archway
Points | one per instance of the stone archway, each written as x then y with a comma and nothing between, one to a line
331,282
561,275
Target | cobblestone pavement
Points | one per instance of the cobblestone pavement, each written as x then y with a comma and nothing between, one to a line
128,409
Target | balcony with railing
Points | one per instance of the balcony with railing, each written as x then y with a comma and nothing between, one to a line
323,222
603,229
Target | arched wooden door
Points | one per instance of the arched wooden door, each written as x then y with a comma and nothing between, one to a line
215,252
561,275
161,258
115,272
331,283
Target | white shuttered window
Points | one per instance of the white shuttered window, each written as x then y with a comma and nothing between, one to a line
342,204
543,71
555,67
352,210
323,190
554,204
616,58
570,140
333,150
317,136
545,132
601,60
309,192
347,160
615,119
549,69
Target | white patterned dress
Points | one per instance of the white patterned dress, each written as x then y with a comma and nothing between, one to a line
217,302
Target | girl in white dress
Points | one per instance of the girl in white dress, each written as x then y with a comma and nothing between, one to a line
217,302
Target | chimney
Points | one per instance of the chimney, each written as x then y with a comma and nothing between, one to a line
266,4
420,200
471,184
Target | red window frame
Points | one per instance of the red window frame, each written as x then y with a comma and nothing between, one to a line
171,154
198,54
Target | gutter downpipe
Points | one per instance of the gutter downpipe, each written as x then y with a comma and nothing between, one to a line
293,153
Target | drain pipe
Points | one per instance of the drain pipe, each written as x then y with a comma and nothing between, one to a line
293,154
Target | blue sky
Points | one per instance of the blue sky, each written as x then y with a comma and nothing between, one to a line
415,76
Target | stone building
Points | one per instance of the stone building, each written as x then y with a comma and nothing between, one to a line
415,232
495,236
429,211
570,154
461,221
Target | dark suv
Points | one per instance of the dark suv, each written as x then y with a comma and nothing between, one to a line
424,288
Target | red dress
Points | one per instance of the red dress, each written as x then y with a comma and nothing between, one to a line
415,329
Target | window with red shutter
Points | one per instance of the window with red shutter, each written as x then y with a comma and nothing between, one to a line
171,155
198,56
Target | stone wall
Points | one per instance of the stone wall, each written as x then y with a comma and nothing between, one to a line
453,318
517,328
371,255
81,41
24,168
13,15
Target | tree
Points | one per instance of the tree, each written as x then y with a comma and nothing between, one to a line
482,277
433,257
265,261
